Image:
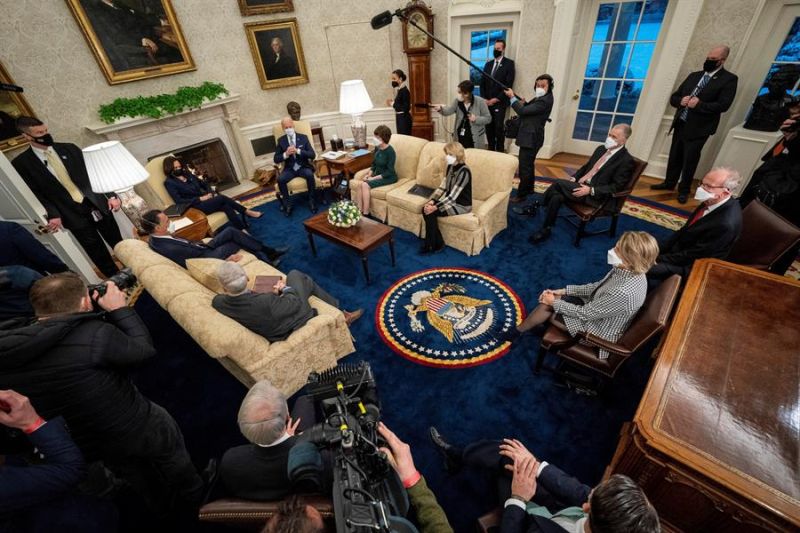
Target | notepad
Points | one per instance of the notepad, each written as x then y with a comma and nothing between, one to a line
333,155
359,153
182,223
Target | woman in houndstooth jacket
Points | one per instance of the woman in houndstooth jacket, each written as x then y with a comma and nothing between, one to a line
606,307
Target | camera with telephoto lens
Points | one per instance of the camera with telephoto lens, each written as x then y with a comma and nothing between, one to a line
124,280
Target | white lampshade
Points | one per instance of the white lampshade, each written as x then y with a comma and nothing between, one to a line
112,168
354,98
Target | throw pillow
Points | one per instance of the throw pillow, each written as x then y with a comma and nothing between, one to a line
204,270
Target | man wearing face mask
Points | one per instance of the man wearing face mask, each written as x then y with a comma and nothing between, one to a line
57,176
296,152
502,69
606,172
710,231
699,101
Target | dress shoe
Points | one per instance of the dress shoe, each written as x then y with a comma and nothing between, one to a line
450,454
541,235
517,199
438,249
510,336
661,187
424,250
275,253
352,316
682,197
288,211
528,210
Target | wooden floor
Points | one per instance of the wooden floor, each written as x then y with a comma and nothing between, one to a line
558,165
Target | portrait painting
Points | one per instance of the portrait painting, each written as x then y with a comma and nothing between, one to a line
12,106
277,53
263,7
133,39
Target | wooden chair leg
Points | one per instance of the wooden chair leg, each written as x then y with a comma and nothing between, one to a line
612,231
579,234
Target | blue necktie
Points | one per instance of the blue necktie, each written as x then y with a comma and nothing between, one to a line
700,86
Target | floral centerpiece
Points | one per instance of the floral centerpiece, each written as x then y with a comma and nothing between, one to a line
344,214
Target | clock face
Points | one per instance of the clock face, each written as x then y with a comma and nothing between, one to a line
415,37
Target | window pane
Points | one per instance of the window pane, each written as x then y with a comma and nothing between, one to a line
628,19
617,60
631,90
602,123
608,95
640,60
480,41
605,22
652,18
623,119
790,51
582,124
782,77
597,60
494,35
589,94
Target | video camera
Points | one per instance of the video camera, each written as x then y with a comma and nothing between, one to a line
367,494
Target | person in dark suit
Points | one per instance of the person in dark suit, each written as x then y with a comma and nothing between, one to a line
607,171
401,103
710,231
279,64
185,187
274,315
225,245
530,138
56,174
297,154
500,68
699,101
540,497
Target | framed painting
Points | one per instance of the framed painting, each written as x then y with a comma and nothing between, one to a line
277,53
12,105
133,39
264,7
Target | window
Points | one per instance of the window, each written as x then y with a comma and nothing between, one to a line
785,69
481,50
623,43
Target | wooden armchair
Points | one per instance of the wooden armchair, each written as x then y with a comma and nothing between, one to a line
584,214
584,348
251,515
766,238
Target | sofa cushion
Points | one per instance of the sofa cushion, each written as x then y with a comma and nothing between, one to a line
381,192
431,165
204,270
407,149
468,221
403,199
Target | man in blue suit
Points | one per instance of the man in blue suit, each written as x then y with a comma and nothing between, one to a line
297,154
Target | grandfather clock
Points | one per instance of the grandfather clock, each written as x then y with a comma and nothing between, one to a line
417,47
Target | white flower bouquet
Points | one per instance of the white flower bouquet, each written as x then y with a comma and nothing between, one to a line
344,214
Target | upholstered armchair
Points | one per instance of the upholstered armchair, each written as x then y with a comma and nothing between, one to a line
297,185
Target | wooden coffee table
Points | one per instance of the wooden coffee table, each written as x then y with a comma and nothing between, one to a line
361,238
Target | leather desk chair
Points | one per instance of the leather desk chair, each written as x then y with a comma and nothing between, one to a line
251,515
766,237
584,348
583,214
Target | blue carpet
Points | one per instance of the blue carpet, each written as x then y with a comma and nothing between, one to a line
495,400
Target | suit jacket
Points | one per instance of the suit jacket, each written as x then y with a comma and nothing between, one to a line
272,316
21,248
49,191
715,98
305,152
712,236
564,488
612,177
186,192
504,74
533,116
179,250
285,67
256,473
478,128
402,101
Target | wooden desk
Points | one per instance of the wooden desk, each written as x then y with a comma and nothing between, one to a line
715,442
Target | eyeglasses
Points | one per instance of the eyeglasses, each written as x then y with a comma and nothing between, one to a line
707,186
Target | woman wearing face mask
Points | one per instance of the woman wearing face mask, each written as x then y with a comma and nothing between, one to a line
401,103
604,308
452,197
379,174
185,188
472,116
533,117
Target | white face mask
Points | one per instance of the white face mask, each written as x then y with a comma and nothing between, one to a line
613,259
702,195
289,131
610,143
171,227
460,97
540,92
377,141
451,159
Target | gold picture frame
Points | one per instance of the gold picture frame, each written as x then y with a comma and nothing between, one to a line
264,7
285,67
12,106
133,39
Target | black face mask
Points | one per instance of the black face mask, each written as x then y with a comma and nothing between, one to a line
710,65
395,84
45,139
177,172
497,53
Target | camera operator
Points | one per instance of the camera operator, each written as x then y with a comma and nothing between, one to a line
73,362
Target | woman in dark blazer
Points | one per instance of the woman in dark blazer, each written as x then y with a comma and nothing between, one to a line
401,103
186,188
533,117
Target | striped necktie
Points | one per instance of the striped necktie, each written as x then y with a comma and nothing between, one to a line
700,86
595,169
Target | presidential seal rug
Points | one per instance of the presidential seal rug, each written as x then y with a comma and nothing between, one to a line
448,317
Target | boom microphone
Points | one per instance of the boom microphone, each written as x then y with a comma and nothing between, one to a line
381,20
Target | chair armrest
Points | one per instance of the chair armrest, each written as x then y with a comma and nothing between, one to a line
622,194
603,344
492,202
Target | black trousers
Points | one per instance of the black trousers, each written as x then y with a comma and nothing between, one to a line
661,271
403,123
527,170
433,237
231,240
555,196
495,131
684,154
91,236
234,210
289,174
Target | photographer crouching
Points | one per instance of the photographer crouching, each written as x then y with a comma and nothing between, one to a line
72,361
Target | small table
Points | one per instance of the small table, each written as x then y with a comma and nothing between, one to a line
198,229
361,238
346,166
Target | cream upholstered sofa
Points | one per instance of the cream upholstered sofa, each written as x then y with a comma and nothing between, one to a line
492,175
407,150
155,194
245,354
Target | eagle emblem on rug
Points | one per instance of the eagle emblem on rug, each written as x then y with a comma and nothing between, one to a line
448,317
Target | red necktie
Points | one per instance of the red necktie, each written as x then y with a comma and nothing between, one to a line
698,215
778,149
589,175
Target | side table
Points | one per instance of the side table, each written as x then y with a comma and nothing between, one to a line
196,231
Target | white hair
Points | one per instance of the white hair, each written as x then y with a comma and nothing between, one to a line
263,414
232,277
732,177
625,128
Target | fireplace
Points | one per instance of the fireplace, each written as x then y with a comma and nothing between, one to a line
211,159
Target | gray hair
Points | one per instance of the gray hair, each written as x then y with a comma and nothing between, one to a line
263,414
232,277
626,129
732,178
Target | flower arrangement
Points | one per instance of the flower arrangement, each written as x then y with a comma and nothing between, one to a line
344,214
